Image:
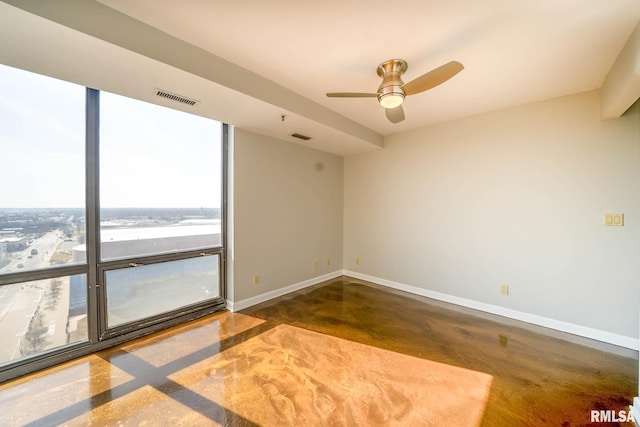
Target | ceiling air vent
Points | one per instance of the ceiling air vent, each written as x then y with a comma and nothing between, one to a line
174,97
300,136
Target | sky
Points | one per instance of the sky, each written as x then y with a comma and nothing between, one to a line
150,156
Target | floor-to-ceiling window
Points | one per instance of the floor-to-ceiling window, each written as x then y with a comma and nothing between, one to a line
111,218
42,213
160,200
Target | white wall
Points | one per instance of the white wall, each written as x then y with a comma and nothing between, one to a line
287,214
512,197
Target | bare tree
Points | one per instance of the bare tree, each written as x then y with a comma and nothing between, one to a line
34,340
54,293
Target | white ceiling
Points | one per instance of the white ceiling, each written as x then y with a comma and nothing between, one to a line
514,52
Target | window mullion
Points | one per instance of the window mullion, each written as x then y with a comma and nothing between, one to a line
92,214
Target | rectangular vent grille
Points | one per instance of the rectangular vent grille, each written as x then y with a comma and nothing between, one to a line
300,136
174,97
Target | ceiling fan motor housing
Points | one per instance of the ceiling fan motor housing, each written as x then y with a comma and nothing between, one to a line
390,93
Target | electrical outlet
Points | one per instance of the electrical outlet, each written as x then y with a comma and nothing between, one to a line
614,219
503,340
256,279
504,289
357,260
315,265
328,262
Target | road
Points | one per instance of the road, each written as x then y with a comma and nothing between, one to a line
19,303
46,247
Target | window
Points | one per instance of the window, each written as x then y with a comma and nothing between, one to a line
111,218
41,171
40,315
42,213
160,193
160,179
148,290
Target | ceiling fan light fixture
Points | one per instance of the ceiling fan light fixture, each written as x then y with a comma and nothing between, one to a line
391,100
392,90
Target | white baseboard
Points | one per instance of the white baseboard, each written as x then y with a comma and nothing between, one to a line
583,331
248,302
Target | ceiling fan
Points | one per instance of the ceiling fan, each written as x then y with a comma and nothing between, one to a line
392,90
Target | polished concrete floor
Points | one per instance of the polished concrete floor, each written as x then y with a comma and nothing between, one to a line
343,353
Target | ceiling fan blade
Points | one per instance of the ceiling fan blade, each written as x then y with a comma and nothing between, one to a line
433,78
395,115
351,95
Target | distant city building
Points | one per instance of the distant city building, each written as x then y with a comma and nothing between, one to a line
13,240
131,242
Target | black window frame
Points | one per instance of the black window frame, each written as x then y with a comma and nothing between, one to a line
99,335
